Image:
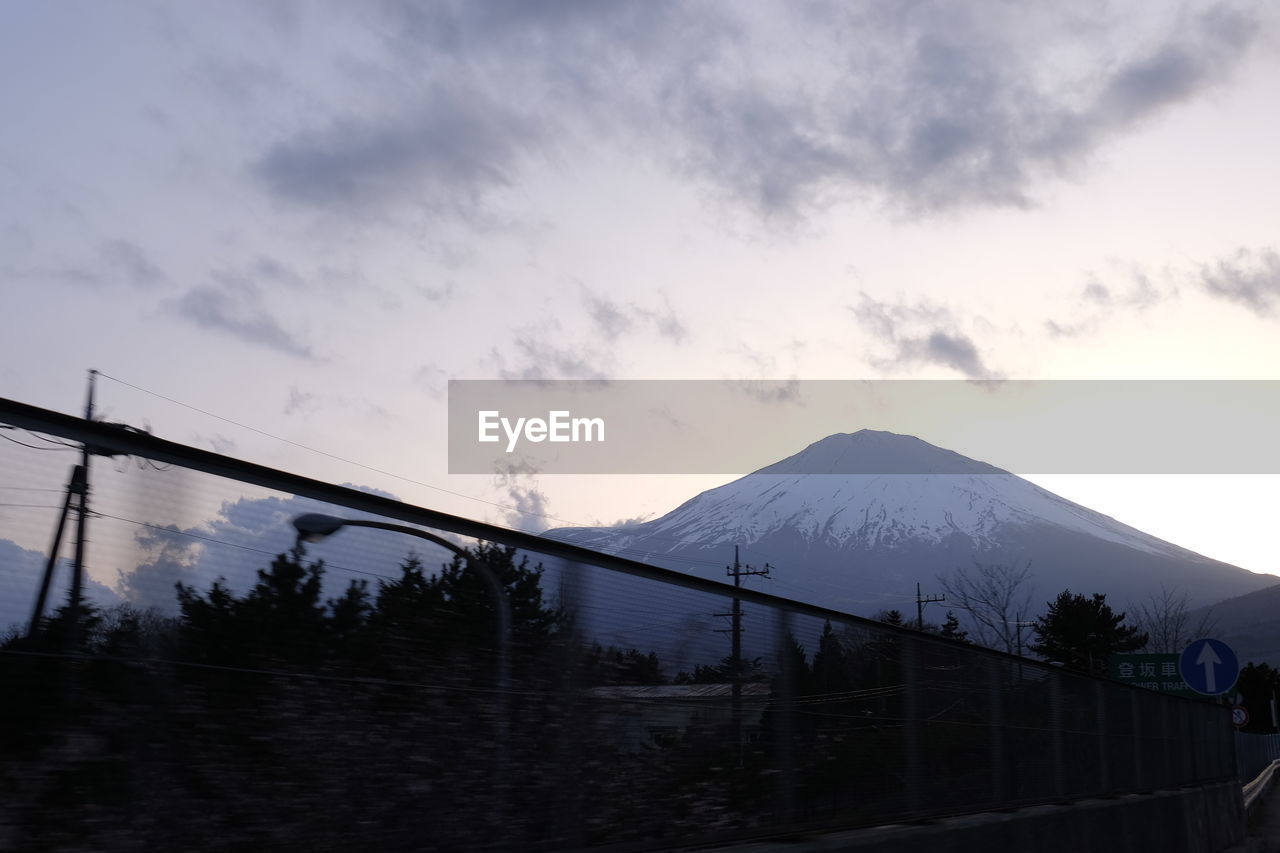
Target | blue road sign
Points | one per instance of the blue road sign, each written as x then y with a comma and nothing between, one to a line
1209,667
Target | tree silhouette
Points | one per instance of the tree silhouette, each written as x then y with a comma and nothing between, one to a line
1081,632
1258,684
951,629
612,667
832,664
996,597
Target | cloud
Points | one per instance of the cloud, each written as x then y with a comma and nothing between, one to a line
217,442
21,570
115,263
234,305
128,261
952,349
173,557
614,319
445,154
540,355
529,508
1099,302
784,392
608,315
245,536
633,521
921,334
299,401
782,109
1247,278
441,296
1189,62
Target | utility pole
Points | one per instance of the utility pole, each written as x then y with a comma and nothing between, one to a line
77,498
921,602
738,571
82,523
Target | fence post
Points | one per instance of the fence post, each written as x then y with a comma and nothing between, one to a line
1166,747
1185,747
1056,725
1138,739
784,734
911,731
1100,713
578,712
999,750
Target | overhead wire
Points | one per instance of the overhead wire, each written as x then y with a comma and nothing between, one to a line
62,449
677,542
334,456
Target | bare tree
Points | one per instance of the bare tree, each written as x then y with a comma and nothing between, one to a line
1169,622
997,598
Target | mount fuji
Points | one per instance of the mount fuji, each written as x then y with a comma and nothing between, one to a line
855,520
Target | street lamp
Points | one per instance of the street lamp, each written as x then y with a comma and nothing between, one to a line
314,526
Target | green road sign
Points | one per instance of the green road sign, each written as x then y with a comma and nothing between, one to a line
1154,672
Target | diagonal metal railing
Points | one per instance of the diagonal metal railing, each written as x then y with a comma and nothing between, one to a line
363,690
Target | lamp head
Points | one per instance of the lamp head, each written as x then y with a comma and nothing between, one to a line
314,526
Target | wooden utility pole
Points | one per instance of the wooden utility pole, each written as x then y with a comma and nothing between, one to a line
738,571
77,498
921,602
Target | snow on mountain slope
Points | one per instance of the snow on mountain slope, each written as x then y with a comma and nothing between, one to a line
864,511
827,493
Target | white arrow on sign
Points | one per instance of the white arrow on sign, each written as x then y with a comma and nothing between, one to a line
1208,658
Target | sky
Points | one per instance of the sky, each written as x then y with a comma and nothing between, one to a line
280,228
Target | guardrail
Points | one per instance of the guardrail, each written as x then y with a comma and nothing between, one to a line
362,690
1257,757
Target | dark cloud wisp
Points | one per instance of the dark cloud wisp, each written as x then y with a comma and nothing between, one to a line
235,307
920,335
446,154
923,107
1250,279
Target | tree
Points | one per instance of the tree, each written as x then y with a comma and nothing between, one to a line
891,617
1258,685
951,629
611,667
832,664
280,619
1081,632
996,597
724,672
1169,622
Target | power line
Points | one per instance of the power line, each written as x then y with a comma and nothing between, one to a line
35,446
35,434
632,552
335,457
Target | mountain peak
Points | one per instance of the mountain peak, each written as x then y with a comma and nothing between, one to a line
871,451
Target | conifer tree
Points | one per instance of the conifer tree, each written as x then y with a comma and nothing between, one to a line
1081,632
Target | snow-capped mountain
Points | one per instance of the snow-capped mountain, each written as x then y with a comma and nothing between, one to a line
855,520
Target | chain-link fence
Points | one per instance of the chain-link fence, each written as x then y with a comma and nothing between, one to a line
420,681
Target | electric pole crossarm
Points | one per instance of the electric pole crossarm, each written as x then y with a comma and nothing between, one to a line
738,571
921,601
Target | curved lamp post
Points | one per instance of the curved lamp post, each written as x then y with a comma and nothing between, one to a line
313,527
